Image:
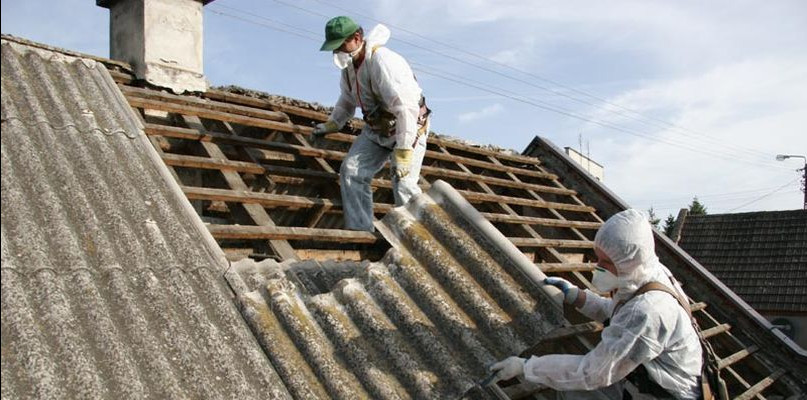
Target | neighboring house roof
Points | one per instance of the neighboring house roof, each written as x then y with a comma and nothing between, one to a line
451,297
761,256
111,287
249,168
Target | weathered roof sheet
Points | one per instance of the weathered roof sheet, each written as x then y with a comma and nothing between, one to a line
110,285
451,297
247,161
761,256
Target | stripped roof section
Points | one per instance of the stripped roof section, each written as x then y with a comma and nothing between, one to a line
451,297
110,285
761,256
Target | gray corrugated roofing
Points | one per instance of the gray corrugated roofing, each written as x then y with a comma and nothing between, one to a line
110,286
762,256
451,296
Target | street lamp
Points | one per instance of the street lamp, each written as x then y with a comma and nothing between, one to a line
782,157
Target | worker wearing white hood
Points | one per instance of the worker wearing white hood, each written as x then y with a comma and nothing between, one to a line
381,83
651,330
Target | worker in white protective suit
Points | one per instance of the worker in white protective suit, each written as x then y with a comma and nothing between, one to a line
649,335
381,83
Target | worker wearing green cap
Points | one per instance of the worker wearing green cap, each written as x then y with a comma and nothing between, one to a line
381,83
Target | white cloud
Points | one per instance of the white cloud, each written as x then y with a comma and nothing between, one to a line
740,114
484,113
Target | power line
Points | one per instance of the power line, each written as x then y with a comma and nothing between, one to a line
310,35
763,196
665,124
721,203
555,109
718,196
714,206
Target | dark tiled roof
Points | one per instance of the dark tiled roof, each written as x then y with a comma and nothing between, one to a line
110,284
450,298
762,256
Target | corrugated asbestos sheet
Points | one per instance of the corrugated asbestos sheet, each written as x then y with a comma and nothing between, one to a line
109,286
451,297
762,256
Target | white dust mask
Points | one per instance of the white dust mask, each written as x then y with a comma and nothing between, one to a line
342,59
604,280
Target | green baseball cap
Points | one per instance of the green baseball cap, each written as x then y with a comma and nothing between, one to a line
336,31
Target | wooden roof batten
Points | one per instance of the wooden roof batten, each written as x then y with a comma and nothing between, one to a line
490,190
522,194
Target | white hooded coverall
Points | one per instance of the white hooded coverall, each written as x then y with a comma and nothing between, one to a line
384,79
651,329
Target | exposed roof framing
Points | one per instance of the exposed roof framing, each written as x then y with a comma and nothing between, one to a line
239,152
525,199
249,169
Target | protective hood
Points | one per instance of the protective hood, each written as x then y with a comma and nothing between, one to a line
378,36
627,239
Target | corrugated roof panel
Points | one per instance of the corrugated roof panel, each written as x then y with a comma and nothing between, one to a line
450,298
110,284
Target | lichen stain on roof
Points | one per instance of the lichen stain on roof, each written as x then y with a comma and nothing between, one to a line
109,287
424,322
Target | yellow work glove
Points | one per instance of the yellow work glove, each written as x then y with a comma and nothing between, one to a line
325,127
403,161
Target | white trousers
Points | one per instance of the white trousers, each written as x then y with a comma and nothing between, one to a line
365,158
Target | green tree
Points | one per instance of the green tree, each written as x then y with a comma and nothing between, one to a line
669,223
651,216
696,208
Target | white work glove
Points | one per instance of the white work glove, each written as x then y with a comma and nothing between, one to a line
508,368
403,161
325,127
570,291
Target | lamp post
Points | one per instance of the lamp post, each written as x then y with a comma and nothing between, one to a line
782,157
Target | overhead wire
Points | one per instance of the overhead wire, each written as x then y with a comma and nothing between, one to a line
314,36
544,106
763,196
311,35
659,123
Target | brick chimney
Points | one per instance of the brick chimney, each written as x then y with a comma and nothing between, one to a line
160,39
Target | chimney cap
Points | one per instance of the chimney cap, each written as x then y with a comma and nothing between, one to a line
110,3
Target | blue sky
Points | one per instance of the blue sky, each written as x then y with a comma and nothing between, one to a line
675,98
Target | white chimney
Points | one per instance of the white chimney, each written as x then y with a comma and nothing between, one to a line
161,39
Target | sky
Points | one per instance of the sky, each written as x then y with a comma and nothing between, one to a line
676,99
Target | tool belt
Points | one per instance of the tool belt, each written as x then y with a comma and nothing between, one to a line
383,121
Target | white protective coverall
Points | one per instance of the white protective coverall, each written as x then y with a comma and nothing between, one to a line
651,329
384,79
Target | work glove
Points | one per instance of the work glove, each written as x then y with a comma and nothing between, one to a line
324,128
508,368
570,291
403,161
